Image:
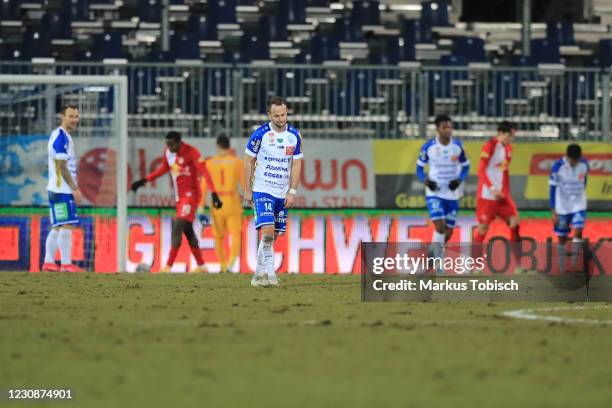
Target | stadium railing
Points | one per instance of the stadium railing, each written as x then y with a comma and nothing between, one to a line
550,102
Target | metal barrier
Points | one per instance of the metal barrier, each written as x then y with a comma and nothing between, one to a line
554,101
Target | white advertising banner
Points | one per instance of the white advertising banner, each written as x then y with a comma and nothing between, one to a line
336,174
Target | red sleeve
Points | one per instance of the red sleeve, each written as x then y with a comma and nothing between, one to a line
485,157
160,171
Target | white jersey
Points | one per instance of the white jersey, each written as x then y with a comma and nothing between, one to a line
275,153
569,185
446,163
60,147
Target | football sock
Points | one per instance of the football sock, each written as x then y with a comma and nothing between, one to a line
65,245
220,251
172,255
438,237
437,243
576,246
234,248
197,254
51,245
268,254
261,265
514,234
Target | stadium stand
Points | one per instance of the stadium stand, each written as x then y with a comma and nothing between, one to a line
360,68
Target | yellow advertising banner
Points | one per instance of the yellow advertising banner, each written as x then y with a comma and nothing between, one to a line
532,160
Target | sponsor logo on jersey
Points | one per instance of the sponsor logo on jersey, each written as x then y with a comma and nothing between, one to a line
289,150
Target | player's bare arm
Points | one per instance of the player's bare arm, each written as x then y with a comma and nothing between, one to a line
63,166
296,169
249,168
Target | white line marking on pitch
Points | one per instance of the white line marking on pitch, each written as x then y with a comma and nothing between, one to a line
534,314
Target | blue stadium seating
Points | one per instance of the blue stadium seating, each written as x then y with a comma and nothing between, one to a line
365,13
273,28
76,10
605,53
222,11
324,48
345,30
545,52
253,47
149,11
470,48
293,11
35,44
201,27
313,45
57,25
561,33
107,45
185,46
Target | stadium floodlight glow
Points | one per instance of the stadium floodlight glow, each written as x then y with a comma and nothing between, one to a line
52,88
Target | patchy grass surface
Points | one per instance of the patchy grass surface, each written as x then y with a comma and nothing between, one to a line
156,340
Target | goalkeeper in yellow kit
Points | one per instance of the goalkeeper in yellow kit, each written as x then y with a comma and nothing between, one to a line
228,177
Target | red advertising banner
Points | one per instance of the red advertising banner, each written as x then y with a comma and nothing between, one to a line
324,243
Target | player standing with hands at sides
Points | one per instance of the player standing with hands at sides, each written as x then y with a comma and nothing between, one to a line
226,172
493,198
272,162
448,169
568,201
64,193
185,166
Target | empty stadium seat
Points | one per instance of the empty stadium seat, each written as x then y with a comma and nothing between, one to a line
253,47
365,13
57,25
201,27
293,11
346,31
545,52
185,46
35,45
561,33
149,11
222,11
324,48
273,28
107,45
605,53
470,48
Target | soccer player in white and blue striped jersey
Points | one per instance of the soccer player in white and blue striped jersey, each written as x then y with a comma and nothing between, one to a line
448,169
64,194
273,161
568,201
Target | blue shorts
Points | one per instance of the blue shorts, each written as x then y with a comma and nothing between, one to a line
62,209
442,209
565,222
270,210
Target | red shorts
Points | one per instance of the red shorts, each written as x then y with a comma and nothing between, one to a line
487,210
186,208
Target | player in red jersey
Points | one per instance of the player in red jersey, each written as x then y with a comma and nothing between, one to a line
493,197
185,166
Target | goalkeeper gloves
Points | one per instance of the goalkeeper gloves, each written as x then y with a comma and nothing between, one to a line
454,184
202,217
432,185
216,201
138,183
